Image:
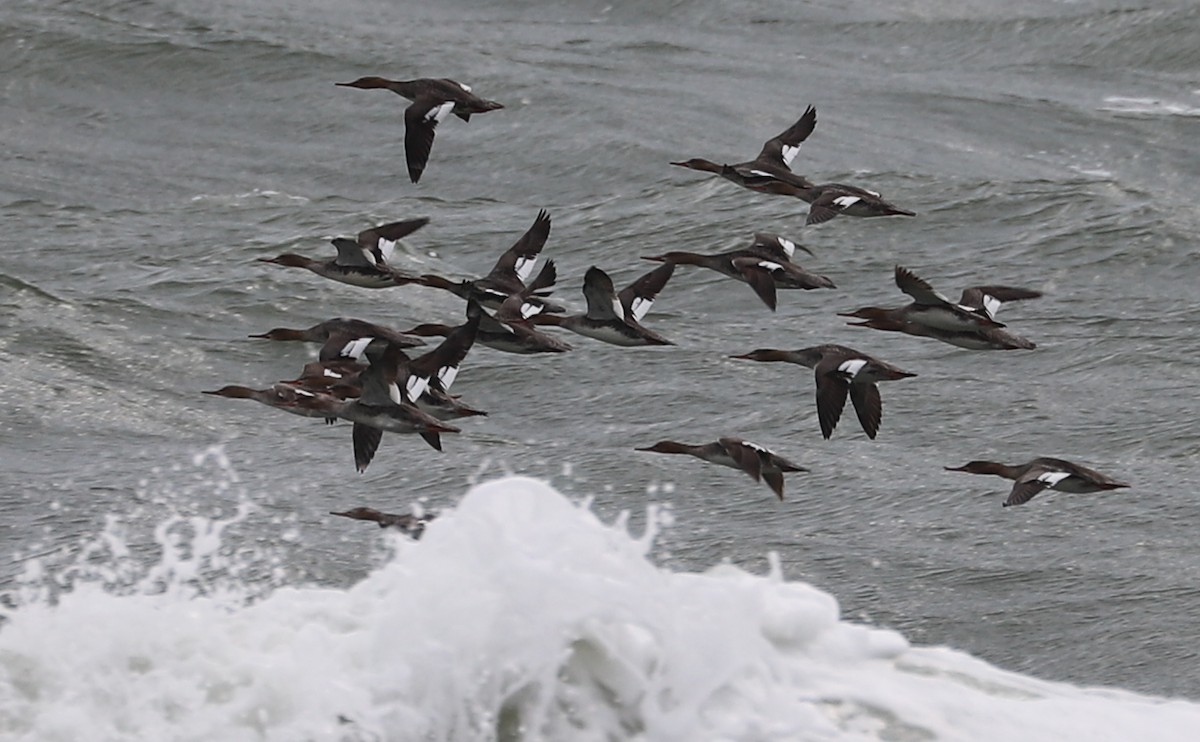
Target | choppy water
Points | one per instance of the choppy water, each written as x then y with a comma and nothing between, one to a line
154,150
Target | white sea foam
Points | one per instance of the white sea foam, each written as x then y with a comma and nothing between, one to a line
1148,107
519,615
254,198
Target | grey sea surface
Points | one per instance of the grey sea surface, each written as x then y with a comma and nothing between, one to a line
153,150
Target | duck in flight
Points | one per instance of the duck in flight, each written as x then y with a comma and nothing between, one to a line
765,264
509,274
362,261
827,200
413,525
771,171
341,329
381,407
1042,473
508,331
432,101
840,372
969,323
282,396
984,338
758,462
611,317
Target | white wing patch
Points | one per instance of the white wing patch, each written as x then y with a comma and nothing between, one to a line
637,308
386,248
524,266
788,246
846,202
789,153
1052,478
414,388
852,366
528,310
438,113
331,374
760,172
768,265
447,375
755,446
873,193
355,348
991,305
463,86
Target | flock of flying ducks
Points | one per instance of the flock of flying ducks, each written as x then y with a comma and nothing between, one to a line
364,375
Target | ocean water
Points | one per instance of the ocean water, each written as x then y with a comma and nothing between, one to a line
168,567
520,615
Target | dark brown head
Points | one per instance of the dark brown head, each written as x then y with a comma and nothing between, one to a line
367,83
282,333
430,330
699,163
234,391
438,282
666,447
360,513
869,313
979,467
768,355
679,257
289,259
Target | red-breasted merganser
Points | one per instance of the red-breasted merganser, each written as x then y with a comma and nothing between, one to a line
281,396
427,378
380,408
519,333
765,265
934,310
510,272
1041,473
756,461
840,371
770,172
975,311
413,525
432,101
340,377
611,317
423,381
827,200
985,338
362,262
341,327
509,331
